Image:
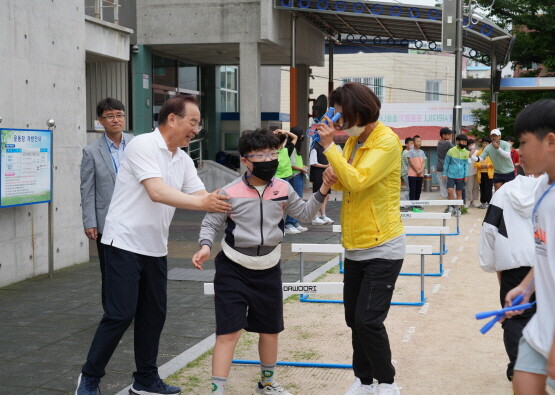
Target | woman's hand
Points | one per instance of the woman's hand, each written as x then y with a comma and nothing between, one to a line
329,177
325,131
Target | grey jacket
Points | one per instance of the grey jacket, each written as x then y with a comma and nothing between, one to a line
255,226
98,178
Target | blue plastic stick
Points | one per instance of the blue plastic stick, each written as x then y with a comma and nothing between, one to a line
313,133
495,319
486,314
502,311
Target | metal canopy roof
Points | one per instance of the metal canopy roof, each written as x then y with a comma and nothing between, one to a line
394,24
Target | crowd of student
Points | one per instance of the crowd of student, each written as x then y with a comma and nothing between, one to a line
464,170
156,176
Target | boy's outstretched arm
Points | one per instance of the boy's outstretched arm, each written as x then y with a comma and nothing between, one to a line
201,256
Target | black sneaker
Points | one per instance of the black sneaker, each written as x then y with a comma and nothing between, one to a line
87,385
158,387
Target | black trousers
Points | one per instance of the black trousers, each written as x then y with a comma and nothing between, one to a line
367,292
486,185
100,250
415,187
512,328
136,288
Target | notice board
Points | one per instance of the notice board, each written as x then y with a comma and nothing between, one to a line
25,167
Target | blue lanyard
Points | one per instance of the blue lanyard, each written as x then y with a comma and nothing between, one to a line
110,151
537,205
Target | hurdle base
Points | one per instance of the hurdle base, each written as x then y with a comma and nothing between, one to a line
296,364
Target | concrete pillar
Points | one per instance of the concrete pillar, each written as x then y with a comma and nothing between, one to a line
211,111
303,85
249,86
141,98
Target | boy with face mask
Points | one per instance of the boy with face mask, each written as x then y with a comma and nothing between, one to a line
247,285
455,169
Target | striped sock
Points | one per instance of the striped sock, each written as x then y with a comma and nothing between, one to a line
218,385
267,374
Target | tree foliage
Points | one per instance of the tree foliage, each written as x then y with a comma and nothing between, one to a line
509,104
533,24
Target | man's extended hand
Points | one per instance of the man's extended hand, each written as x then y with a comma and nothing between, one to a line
215,203
92,233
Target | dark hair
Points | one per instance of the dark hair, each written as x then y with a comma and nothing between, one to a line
297,131
461,137
408,140
256,140
360,105
445,130
510,138
175,105
486,140
471,141
108,104
537,118
415,137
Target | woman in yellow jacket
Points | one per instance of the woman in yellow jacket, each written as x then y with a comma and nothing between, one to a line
485,176
369,173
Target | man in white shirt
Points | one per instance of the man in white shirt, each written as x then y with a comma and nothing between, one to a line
155,177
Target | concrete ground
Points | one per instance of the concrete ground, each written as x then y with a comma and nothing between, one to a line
46,325
437,348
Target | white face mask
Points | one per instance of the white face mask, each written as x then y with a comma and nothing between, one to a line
471,147
355,131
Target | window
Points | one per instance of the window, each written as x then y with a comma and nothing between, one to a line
433,88
229,98
374,83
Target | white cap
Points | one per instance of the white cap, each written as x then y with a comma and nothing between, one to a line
495,131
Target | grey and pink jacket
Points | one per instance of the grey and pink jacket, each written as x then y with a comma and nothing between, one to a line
256,223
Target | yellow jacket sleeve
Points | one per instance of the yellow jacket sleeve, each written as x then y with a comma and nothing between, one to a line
370,165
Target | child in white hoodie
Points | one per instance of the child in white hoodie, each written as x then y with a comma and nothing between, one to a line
507,247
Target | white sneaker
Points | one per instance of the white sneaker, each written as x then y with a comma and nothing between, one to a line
327,220
291,230
271,389
300,227
388,389
318,221
357,388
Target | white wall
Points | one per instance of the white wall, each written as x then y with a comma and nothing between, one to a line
42,76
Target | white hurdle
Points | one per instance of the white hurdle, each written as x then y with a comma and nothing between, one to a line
424,230
405,203
421,250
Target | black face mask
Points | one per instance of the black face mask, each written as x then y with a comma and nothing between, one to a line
265,170
462,146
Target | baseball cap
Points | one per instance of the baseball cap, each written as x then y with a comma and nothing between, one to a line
495,131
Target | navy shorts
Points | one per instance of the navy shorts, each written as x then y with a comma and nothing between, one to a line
497,177
458,184
247,299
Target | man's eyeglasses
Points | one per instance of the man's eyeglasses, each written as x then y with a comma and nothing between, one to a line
111,117
263,156
195,125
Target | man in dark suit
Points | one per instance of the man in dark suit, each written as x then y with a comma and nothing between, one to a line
99,167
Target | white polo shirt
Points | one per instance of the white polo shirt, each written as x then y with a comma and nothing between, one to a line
134,222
